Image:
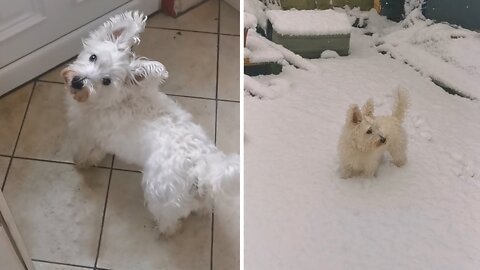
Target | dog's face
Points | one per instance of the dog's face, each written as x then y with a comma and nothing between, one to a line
106,67
99,68
363,132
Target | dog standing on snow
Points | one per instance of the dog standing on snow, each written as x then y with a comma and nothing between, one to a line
117,108
366,137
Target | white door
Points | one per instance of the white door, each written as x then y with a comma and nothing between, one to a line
36,35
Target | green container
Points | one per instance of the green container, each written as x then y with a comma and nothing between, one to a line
255,69
325,4
313,46
298,4
362,4
340,3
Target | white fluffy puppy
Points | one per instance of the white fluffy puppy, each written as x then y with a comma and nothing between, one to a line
117,108
365,138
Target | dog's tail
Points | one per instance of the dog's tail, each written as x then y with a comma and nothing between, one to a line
401,104
220,174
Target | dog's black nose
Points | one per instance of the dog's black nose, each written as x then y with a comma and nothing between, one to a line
77,82
383,139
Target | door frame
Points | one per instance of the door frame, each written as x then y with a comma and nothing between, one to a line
14,234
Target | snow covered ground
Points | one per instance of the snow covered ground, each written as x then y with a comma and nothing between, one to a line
299,214
449,55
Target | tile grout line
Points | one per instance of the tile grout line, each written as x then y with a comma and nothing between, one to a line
189,30
103,216
213,99
68,163
48,81
60,162
228,100
218,71
60,263
216,124
18,88
18,136
172,95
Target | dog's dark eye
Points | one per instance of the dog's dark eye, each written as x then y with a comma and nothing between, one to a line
93,58
369,131
106,81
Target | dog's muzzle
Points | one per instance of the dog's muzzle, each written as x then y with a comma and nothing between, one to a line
383,139
77,82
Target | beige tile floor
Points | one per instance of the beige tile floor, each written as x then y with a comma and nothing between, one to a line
95,218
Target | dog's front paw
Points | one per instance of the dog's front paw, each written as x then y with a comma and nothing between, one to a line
399,163
167,231
370,173
84,159
82,163
345,174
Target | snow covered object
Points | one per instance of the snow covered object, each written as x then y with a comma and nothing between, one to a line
310,32
309,22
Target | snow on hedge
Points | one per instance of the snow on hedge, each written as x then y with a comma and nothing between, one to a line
257,9
309,22
449,55
411,5
250,21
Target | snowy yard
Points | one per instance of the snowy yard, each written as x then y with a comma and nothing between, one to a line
301,215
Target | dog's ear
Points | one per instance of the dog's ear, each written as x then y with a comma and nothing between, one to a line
354,116
123,29
368,108
143,69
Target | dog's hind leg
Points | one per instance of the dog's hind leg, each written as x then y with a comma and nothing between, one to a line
398,148
168,197
218,174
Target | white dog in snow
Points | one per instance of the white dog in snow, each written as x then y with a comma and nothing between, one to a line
117,108
366,137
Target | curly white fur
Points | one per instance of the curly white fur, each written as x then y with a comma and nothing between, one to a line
119,110
365,138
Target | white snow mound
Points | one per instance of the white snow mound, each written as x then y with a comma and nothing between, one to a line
309,22
329,54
